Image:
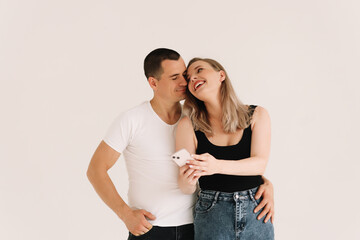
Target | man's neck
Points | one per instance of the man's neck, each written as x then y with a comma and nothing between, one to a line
169,112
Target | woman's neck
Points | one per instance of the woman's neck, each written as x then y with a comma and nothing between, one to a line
214,109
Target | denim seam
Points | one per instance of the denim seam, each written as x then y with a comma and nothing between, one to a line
214,201
237,216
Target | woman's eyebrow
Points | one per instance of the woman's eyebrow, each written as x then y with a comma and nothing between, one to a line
187,75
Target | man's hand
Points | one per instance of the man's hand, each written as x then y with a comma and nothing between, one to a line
265,190
136,222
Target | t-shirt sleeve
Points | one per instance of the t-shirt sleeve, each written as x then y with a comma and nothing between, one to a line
118,135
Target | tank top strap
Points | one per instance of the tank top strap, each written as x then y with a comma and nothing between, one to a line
200,136
252,109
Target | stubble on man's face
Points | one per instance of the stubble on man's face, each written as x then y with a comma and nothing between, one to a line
172,84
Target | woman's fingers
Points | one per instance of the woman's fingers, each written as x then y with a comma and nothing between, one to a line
259,192
189,172
195,162
260,206
183,169
268,216
194,179
201,157
264,212
196,167
193,175
203,163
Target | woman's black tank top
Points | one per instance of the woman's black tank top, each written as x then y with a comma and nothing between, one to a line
222,182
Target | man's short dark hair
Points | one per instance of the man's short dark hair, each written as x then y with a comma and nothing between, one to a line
152,62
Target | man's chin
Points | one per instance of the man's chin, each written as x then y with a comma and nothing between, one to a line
182,98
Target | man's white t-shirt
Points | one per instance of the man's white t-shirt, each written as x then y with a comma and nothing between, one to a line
147,143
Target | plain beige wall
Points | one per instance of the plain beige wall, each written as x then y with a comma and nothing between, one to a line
69,67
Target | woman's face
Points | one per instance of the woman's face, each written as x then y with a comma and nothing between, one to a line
203,81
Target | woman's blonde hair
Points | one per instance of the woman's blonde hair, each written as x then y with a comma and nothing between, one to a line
235,114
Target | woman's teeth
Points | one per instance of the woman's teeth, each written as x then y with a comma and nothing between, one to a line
197,85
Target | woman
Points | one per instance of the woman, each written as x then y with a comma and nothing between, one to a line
232,146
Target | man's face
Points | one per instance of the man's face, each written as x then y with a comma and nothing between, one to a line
172,84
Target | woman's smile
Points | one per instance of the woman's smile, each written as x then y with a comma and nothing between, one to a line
198,84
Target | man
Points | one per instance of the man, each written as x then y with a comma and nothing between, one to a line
145,135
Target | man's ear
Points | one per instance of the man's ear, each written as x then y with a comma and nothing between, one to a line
222,75
153,82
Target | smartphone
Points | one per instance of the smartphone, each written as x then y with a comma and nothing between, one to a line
181,156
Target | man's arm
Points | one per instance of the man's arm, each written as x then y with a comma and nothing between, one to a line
103,159
266,191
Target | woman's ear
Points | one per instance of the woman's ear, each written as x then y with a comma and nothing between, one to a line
222,75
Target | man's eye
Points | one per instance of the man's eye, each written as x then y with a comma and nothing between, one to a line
174,78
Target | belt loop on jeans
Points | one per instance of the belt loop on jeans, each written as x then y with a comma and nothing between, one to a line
251,195
216,196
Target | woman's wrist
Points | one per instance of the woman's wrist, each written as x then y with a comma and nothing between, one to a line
266,181
219,168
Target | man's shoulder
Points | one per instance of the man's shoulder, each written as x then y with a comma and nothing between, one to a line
135,112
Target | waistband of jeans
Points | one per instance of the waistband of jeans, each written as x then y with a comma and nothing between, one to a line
185,226
225,196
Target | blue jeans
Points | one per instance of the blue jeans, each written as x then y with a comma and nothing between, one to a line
229,216
183,232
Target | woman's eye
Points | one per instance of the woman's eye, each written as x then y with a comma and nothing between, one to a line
199,70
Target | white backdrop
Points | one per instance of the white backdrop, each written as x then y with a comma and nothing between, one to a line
69,67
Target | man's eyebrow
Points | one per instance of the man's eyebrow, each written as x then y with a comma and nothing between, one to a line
176,74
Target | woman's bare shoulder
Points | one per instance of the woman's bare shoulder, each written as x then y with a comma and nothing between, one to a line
260,114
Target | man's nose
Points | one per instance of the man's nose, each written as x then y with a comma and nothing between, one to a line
183,81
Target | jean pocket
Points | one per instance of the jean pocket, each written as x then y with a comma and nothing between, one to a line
204,205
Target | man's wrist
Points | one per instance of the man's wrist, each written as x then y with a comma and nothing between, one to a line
124,211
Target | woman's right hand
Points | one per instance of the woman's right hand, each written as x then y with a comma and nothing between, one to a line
187,179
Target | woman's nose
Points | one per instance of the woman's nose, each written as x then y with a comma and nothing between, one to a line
193,78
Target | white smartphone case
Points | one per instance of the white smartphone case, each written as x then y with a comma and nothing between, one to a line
181,156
